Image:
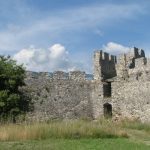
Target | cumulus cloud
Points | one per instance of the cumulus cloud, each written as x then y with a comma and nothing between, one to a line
115,48
37,59
54,58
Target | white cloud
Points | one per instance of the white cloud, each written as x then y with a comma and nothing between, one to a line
115,48
57,51
24,56
54,58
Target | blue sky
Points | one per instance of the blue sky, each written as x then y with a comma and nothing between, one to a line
50,35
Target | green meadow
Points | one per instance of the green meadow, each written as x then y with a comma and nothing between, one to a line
76,134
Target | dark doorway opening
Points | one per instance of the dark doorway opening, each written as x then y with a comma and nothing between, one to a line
107,110
107,89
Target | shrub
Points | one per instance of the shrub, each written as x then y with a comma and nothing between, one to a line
12,76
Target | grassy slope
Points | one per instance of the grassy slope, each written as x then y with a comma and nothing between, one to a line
76,135
78,144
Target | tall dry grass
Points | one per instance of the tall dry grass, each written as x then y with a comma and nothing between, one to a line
61,129
135,124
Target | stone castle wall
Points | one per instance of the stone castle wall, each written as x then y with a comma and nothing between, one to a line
131,100
59,95
120,88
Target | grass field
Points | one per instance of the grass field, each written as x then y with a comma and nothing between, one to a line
76,135
75,144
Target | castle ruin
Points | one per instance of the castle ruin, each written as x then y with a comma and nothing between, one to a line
120,88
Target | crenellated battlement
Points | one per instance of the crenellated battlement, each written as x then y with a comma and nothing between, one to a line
104,65
138,53
59,75
103,56
77,75
108,66
135,53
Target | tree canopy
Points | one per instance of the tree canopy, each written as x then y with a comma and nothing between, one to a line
11,79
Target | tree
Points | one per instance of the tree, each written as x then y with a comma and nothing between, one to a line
11,79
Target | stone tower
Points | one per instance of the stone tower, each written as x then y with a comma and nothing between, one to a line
104,65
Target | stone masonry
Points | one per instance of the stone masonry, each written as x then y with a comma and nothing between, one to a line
120,89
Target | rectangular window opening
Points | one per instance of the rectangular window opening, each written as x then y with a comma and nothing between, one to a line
107,89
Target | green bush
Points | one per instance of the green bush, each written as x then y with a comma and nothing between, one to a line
11,79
